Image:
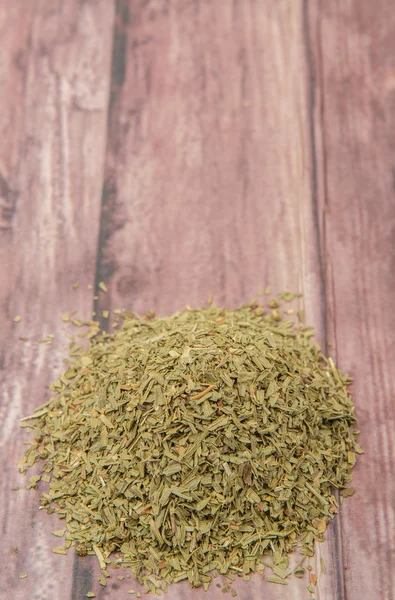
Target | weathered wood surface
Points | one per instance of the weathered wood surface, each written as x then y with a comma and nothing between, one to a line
54,85
352,53
179,150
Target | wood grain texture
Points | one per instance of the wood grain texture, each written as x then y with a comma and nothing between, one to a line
353,45
183,149
54,82
207,188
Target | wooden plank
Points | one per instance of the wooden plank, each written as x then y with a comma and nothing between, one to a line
208,188
352,48
207,178
54,82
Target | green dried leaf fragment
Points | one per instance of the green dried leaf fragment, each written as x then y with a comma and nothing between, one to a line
310,588
346,492
299,571
277,580
59,532
33,481
323,567
279,572
172,469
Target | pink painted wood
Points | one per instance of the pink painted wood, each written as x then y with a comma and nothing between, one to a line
180,150
54,79
354,138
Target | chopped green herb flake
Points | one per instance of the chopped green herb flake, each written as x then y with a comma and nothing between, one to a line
277,580
323,567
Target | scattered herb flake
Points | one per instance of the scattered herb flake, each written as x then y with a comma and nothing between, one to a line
59,532
310,589
277,580
323,567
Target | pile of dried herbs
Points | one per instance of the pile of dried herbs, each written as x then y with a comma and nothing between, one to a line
195,443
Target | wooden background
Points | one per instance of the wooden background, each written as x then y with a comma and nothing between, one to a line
180,149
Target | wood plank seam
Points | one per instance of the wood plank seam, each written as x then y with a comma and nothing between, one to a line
83,570
313,74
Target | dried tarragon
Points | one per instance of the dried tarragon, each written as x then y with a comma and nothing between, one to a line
195,444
